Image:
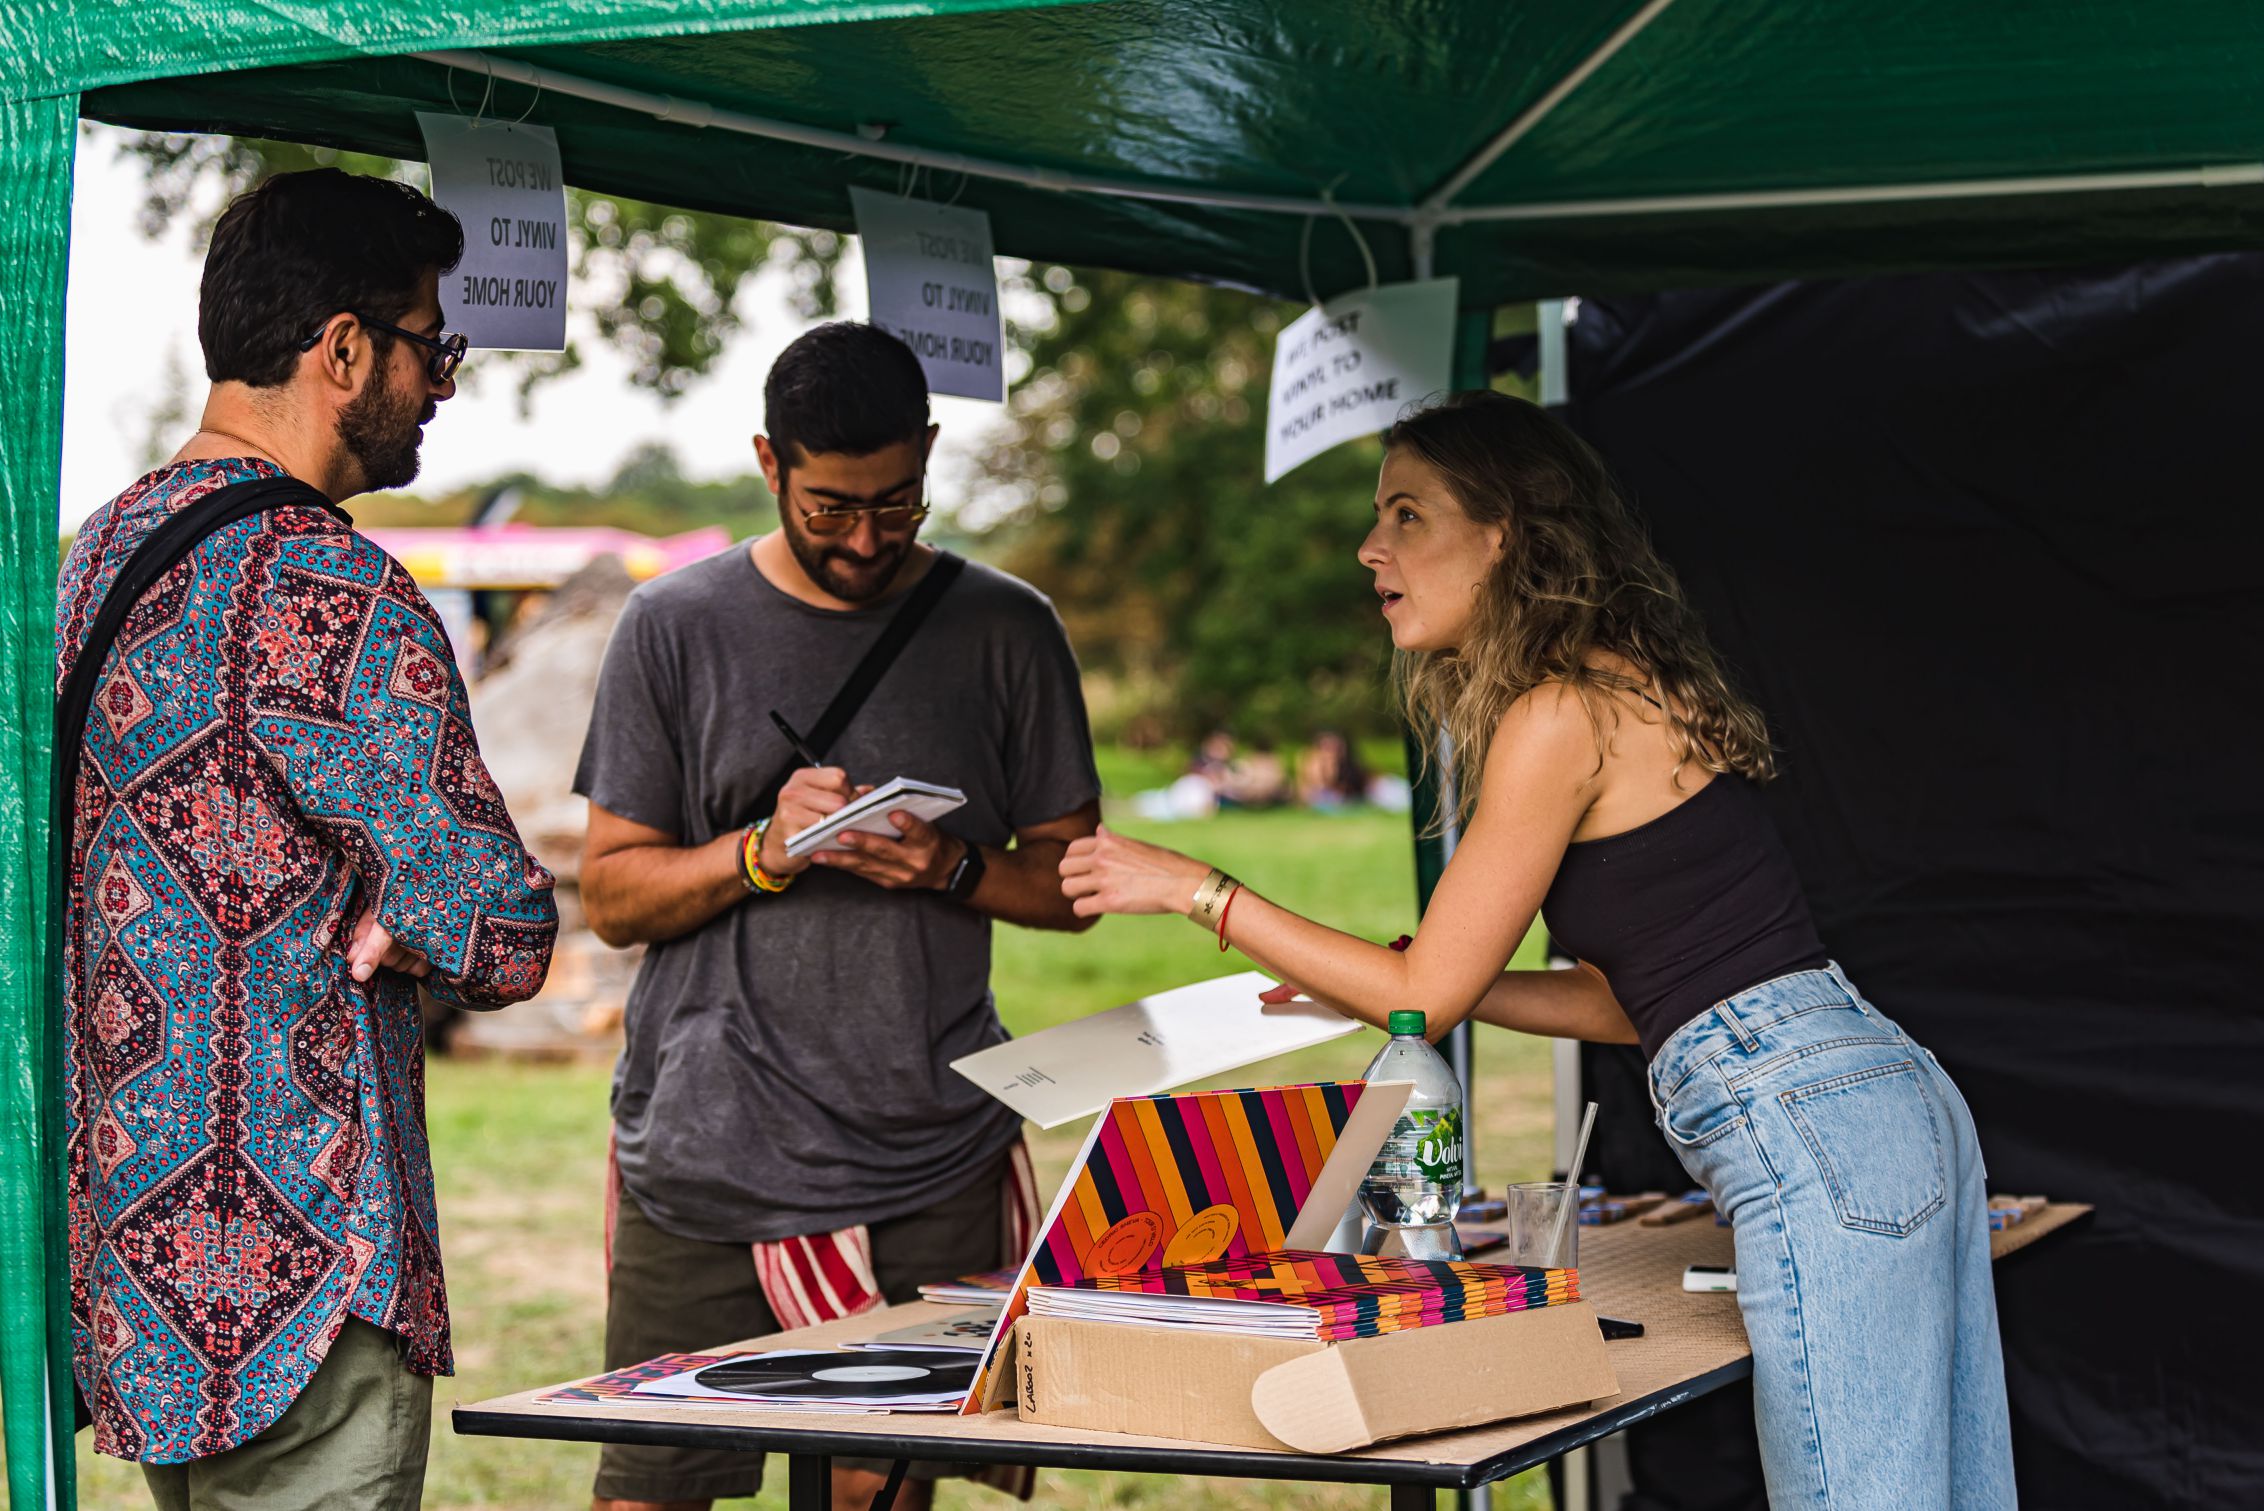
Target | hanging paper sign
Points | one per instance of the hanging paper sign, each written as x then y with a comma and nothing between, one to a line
502,181
931,283
1349,367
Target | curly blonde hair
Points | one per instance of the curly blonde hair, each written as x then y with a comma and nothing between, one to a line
1577,581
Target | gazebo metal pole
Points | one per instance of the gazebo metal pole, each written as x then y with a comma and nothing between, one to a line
1434,779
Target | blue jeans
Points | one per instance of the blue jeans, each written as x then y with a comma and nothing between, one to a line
1847,1165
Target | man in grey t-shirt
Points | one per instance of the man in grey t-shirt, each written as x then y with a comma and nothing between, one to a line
789,1034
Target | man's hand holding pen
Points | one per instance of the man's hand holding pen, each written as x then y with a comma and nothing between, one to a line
921,857
809,795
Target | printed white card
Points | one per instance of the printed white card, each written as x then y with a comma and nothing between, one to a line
931,282
1347,368
503,182
1154,1044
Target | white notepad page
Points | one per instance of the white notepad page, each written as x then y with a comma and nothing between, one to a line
869,814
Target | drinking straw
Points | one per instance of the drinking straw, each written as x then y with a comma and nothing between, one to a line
1579,1157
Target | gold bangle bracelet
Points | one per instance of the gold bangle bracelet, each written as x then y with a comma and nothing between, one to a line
1210,897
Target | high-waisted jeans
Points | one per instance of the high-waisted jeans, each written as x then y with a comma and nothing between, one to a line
1846,1162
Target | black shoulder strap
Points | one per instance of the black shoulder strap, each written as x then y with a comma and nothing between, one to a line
161,553
167,545
873,666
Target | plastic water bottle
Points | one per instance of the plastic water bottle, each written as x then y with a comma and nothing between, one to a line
1414,1188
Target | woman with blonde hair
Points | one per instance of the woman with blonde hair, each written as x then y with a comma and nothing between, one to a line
1607,774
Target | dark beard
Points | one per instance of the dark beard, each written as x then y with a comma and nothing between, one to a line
379,430
848,577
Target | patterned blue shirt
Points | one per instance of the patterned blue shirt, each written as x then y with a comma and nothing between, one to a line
279,741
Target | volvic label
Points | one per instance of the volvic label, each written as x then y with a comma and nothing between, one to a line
1439,1154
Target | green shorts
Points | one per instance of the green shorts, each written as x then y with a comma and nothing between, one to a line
355,1438
668,1295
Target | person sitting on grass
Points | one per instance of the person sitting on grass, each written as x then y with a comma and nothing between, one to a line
1608,776
1329,778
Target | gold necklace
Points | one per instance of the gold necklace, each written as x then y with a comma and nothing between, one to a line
252,447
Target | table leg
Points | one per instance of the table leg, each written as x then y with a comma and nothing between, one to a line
1413,1498
809,1482
1579,1480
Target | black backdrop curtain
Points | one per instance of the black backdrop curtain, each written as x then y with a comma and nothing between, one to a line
1985,549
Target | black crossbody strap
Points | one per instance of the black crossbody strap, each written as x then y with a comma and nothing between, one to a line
870,668
167,545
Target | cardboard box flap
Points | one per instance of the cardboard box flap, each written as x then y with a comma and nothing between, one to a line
1370,1390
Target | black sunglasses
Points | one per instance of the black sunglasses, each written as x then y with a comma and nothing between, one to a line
447,349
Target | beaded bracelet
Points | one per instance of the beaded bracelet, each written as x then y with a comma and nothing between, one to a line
751,873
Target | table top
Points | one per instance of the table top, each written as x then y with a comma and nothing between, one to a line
1692,1344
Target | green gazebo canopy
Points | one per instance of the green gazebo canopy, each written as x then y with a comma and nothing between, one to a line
1530,147
1556,147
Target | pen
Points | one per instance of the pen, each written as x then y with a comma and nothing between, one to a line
793,739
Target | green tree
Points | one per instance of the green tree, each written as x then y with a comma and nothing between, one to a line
647,493
1199,595
665,281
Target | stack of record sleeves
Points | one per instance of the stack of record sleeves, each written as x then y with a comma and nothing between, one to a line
1296,1294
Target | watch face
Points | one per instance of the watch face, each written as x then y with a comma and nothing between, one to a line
965,876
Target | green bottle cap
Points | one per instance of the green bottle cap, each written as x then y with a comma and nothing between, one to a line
1405,1020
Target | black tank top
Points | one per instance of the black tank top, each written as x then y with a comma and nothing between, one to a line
1694,906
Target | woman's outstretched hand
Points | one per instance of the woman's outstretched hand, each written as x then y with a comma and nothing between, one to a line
1108,873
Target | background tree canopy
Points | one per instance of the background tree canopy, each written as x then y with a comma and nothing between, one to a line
1198,595
1124,479
661,284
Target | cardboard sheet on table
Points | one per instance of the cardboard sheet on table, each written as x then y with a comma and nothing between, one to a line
1188,1034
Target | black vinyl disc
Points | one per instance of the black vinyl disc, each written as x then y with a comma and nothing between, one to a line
855,1375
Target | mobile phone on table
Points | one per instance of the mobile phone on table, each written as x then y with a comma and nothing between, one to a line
1709,1277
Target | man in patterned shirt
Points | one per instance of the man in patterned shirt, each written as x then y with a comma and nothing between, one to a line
282,819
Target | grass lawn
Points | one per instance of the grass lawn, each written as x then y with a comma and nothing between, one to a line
519,1151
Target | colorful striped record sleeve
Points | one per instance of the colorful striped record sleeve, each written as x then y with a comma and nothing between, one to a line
1182,1178
1354,1295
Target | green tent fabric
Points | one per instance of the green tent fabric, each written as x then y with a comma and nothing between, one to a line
1712,140
35,217
1529,147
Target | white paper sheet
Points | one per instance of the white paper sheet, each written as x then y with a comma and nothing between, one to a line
504,182
967,1330
1347,368
931,283
1154,1044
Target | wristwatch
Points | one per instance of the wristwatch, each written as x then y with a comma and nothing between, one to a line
966,876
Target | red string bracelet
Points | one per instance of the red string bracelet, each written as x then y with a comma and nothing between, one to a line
1222,912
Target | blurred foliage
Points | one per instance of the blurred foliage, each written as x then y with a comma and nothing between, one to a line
1197,595
662,284
647,493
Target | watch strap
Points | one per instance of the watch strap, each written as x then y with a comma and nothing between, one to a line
967,875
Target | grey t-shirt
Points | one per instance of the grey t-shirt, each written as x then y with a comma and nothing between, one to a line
787,1067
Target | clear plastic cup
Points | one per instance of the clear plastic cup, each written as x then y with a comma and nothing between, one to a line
1544,1224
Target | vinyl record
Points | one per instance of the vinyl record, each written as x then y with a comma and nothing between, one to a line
865,1375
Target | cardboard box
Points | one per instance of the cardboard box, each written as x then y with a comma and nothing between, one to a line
1307,1395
